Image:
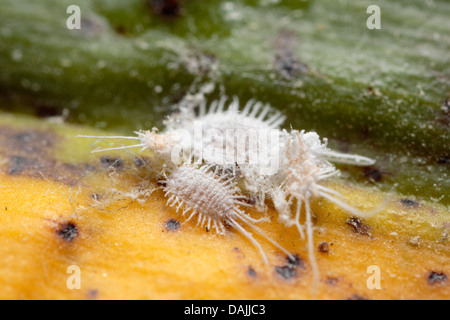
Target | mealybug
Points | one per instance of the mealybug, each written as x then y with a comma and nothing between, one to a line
302,161
215,200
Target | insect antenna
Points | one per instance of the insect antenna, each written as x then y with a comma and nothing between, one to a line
249,236
118,148
108,137
311,255
341,202
352,159
245,220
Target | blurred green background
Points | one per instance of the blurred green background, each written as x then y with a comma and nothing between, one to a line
380,93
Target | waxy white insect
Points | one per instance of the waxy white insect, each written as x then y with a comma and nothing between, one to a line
214,199
302,160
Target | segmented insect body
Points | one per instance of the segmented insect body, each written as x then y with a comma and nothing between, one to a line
218,136
254,115
302,160
243,141
304,165
224,135
215,200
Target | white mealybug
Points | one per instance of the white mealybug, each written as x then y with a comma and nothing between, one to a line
215,200
226,138
304,165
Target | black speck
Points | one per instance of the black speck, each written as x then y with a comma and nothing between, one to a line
373,174
332,281
162,183
165,8
444,160
295,261
44,110
251,272
358,226
95,196
324,247
140,162
410,203
288,66
112,163
289,270
172,225
251,201
436,277
286,272
68,231
122,30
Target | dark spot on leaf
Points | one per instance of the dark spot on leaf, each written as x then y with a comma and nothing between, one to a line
286,272
68,231
165,8
332,281
288,66
444,160
18,164
30,152
172,225
285,62
140,162
32,141
111,163
295,261
122,30
410,203
289,270
92,294
373,174
45,110
324,247
358,226
436,277
251,272
161,183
